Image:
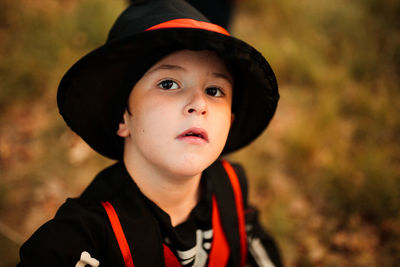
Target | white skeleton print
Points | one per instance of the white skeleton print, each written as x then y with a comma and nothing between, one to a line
198,255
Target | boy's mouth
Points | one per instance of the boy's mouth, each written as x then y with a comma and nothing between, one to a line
194,133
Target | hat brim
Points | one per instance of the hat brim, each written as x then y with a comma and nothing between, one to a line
92,95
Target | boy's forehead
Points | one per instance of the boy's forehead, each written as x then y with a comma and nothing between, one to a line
184,60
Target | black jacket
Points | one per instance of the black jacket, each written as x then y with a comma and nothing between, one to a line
81,224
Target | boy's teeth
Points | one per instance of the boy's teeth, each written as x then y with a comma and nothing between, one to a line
193,134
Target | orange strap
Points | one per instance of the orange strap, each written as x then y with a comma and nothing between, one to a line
219,254
239,209
170,259
119,234
189,23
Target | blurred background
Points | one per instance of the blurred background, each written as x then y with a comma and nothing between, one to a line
326,173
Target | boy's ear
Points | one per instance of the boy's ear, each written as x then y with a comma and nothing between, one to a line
232,118
123,130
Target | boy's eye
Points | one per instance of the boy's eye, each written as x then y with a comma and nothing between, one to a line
214,91
168,84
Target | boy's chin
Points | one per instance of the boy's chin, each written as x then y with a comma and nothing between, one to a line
191,166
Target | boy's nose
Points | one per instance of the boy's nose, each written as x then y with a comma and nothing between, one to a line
196,105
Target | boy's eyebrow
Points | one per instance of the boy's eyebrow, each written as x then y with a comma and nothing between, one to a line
168,67
177,67
223,76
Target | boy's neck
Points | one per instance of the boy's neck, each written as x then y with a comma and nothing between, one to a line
176,195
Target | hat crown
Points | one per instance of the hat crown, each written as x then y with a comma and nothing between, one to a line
143,14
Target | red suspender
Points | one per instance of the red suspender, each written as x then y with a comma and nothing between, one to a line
119,234
170,259
239,210
219,254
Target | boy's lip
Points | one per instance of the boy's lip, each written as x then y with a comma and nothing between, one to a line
194,133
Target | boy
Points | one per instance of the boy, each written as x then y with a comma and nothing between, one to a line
166,95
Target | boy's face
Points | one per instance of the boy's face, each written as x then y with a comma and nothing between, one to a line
179,114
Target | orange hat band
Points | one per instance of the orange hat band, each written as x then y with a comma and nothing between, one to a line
189,23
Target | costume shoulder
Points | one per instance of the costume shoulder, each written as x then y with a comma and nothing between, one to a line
263,250
79,226
61,241
262,247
